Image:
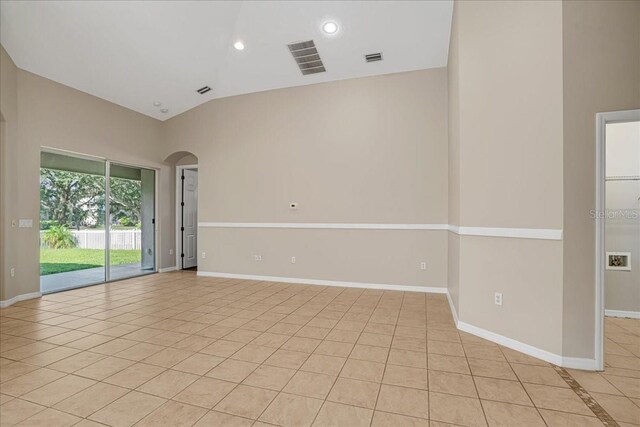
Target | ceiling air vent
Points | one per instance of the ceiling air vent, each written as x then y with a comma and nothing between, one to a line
373,57
204,90
307,57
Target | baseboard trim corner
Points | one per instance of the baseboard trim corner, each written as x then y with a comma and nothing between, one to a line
622,313
18,298
538,353
319,282
511,343
168,269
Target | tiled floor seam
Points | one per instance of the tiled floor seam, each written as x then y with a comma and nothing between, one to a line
296,370
347,358
591,403
474,383
372,319
386,361
135,389
522,385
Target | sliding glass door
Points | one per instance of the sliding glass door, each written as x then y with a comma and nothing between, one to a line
132,213
97,221
72,222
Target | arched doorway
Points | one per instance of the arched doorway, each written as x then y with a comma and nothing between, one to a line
185,165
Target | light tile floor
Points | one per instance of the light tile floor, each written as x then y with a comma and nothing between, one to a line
180,350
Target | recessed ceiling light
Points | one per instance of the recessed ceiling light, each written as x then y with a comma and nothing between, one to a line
164,111
157,104
238,45
330,27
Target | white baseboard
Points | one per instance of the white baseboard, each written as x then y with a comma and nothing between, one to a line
168,269
511,343
565,362
17,298
380,286
621,313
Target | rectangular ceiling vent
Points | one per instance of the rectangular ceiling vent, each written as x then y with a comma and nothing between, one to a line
373,57
204,90
307,57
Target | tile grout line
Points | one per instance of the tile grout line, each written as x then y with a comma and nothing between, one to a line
278,348
347,358
522,385
130,306
475,386
588,400
170,399
307,358
262,363
384,371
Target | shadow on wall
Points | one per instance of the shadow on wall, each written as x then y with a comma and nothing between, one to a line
181,158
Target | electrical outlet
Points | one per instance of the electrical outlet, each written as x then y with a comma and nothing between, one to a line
257,257
170,251
293,260
497,298
204,255
13,272
423,265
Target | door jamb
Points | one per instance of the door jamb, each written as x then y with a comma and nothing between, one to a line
601,124
177,223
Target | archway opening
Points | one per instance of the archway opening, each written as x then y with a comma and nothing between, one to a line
185,166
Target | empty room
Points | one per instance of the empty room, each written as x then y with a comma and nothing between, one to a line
320,213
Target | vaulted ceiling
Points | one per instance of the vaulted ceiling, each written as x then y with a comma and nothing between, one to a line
137,53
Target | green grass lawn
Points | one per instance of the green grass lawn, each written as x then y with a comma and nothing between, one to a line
62,260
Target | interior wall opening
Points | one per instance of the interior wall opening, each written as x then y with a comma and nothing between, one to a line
187,213
618,238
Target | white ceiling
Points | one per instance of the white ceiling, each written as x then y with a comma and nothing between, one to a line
135,53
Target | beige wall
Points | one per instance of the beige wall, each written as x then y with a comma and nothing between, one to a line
511,114
524,82
506,98
601,72
453,82
9,112
529,275
531,77
52,115
370,150
363,256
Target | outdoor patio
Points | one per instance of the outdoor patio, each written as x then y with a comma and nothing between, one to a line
74,279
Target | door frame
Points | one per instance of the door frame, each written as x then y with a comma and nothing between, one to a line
178,221
602,119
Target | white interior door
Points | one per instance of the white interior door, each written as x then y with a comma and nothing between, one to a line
190,218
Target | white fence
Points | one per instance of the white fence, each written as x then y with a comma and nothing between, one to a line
94,239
